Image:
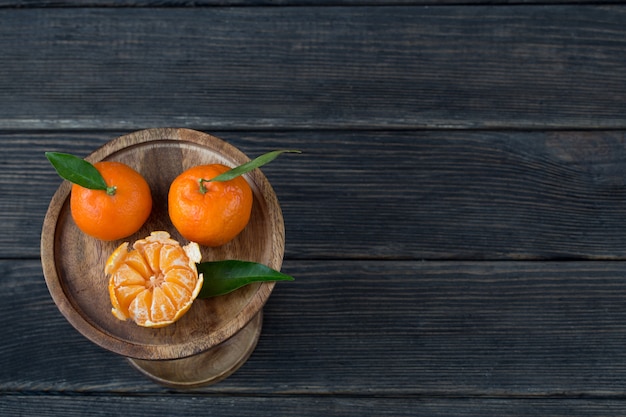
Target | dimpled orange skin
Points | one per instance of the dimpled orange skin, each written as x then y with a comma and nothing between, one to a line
212,218
111,217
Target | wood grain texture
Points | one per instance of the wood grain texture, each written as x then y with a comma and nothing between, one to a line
455,222
314,67
400,195
437,329
263,3
139,406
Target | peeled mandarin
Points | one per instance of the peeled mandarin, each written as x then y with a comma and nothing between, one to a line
155,282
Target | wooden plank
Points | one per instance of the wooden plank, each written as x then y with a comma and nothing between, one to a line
262,3
314,67
368,329
139,406
401,195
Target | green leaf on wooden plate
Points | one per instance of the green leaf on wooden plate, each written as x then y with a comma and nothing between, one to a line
76,170
249,166
222,277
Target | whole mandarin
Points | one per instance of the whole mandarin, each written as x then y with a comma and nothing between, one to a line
210,213
117,215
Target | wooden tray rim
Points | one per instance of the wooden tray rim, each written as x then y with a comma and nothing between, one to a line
153,351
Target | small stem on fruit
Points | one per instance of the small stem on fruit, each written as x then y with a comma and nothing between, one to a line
111,190
203,189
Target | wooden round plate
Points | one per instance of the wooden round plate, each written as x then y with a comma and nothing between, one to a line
73,263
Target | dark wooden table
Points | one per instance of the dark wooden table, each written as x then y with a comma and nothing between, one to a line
456,223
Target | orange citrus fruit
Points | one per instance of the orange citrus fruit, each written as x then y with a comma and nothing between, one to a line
209,212
154,283
112,216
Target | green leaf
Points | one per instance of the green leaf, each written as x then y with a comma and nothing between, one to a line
222,277
76,170
249,166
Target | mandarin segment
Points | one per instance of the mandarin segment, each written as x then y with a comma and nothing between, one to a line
134,260
138,309
176,293
126,276
182,278
122,298
155,282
